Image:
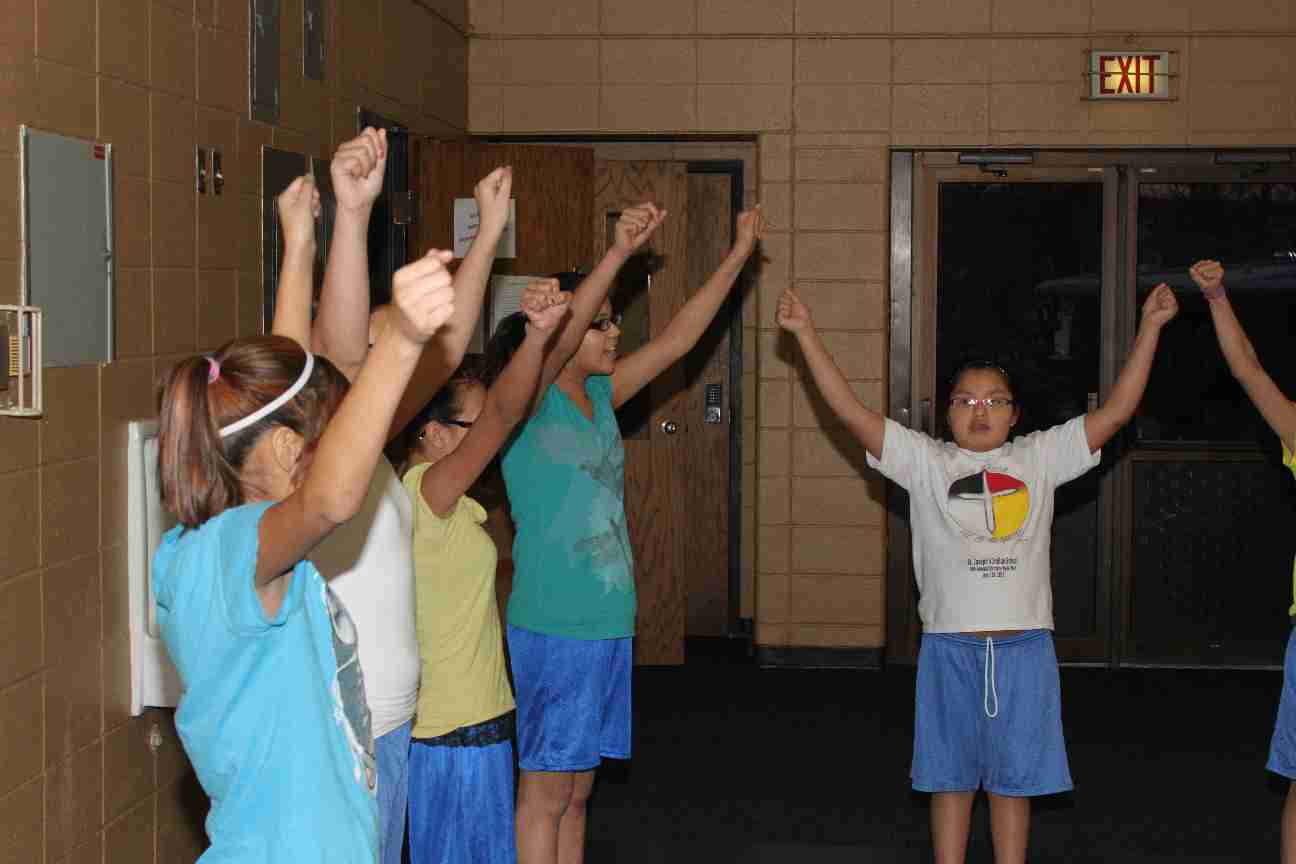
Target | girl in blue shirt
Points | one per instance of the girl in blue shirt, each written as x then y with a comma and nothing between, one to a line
262,452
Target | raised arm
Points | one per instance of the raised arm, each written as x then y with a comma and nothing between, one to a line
864,423
492,194
341,329
1279,411
335,486
508,402
298,207
446,351
633,229
1105,421
635,371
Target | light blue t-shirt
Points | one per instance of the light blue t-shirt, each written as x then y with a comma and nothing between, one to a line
273,714
573,566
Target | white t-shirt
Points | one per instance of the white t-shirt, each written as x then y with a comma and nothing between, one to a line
982,522
370,564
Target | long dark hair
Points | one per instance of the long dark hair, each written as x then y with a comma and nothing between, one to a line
511,330
200,472
443,407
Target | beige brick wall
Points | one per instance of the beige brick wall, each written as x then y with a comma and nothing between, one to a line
154,77
829,86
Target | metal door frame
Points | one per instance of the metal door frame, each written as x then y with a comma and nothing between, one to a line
916,177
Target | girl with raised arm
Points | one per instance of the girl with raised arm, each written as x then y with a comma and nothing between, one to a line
989,711
572,611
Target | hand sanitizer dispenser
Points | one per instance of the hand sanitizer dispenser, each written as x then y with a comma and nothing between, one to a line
154,681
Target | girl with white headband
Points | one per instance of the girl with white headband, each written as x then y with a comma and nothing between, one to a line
262,452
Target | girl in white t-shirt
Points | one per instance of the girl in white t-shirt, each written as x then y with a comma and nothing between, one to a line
988,699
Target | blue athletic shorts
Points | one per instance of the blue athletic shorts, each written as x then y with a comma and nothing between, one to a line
573,700
461,796
1282,750
989,715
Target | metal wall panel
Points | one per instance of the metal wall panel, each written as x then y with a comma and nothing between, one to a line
68,244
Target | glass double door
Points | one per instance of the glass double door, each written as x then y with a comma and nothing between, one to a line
1172,551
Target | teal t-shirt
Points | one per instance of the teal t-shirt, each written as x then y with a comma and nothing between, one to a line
273,714
573,567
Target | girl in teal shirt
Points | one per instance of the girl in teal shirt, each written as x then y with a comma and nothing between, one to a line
571,614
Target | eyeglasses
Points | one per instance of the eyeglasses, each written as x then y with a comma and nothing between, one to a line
605,324
462,424
970,402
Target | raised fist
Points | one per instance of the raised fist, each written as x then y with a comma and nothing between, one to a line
357,170
1209,276
792,315
751,224
492,194
422,296
299,207
1160,306
544,305
636,225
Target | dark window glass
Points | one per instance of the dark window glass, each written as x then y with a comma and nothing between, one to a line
1251,229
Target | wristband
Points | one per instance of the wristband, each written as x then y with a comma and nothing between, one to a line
1214,293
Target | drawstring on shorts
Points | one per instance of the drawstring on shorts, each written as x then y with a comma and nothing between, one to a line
989,690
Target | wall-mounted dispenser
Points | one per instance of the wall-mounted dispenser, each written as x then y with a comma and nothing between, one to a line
21,393
154,680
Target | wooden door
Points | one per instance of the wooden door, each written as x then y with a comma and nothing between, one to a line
652,289
704,464
553,187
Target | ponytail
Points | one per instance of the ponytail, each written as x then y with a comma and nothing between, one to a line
197,479
200,472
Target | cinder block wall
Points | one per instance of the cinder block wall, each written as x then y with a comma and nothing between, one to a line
78,781
829,85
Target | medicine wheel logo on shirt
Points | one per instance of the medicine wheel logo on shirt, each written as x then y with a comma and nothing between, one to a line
989,503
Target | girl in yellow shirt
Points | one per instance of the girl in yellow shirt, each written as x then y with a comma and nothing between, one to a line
1280,413
461,758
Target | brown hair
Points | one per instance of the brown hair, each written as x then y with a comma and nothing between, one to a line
200,472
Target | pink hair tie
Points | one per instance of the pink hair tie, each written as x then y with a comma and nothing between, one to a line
213,370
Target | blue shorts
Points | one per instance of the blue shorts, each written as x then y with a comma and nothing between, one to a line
1282,750
391,752
461,796
989,716
573,700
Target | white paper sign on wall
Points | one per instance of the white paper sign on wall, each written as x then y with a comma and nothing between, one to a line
506,297
467,220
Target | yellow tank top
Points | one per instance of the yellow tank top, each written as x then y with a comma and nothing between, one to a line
463,678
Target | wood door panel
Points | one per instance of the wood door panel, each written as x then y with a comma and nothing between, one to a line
704,465
652,487
554,191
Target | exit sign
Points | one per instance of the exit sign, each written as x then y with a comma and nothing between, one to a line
1129,75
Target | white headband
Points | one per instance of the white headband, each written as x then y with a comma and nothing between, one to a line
275,404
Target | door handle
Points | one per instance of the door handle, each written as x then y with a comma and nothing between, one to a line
669,427
927,417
